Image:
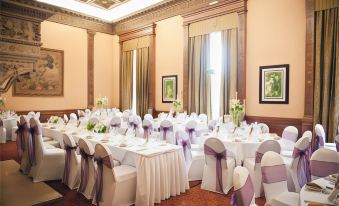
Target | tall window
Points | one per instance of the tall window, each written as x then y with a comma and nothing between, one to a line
215,72
134,93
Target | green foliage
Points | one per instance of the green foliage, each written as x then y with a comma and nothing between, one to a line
90,126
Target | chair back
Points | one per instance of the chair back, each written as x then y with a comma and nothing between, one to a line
36,149
70,158
274,175
88,170
289,138
148,117
37,115
183,140
125,115
30,115
166,131
203,118
264,128
268,145
190,128
212,124
243,194
66,118
193,115
93,120
147,128
73,116
324,162
308,134
115,122
319,138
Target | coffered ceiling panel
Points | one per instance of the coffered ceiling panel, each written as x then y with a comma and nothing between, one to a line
106,4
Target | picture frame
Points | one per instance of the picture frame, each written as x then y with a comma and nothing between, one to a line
274,84
46,79
169,88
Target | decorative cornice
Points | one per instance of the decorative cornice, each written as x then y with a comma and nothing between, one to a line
138,32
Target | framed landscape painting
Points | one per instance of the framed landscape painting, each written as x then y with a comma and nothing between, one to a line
169,88
274,84
46,79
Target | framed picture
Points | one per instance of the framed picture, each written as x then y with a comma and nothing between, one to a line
169,88
274,84
46,79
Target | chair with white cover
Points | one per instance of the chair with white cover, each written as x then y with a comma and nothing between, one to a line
319,138
88,169
73,118
2,132
148,117
218,169
166,131
22,144
147,128
194,115
203,118
115,185
264,128
47,164
93,120
126,114
37,116
30,115
274,177
298,166
253,165
243,194
212,125
308,134
135,124
195,160
190,128
336,141
115,123
71,175
288,139
324,162
66,118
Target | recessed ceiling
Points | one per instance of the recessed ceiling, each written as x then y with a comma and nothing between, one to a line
106,10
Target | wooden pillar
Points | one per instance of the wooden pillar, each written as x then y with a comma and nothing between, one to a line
90,68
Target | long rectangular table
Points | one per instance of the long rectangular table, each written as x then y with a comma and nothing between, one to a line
161,171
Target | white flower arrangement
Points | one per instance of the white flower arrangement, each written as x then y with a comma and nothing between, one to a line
177,105
101,102
100,128
53,119
237,111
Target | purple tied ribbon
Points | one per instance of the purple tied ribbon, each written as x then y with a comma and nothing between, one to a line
115,125
212,125
323,169
303,168
258,157
166,129
1,123
244,195
147,131
186,145
31,144
190,132
20,140
272,174
319,143
84,170
68,157
101,161
218,170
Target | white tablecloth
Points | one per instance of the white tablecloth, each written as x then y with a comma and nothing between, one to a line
306,196
9,123
161,171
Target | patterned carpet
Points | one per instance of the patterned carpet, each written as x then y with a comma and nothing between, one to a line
193,197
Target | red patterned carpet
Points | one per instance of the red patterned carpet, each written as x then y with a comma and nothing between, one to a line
193,197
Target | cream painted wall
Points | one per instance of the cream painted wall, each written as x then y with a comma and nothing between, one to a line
169,56
276,32
74,43
116,69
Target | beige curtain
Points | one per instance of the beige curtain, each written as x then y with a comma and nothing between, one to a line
199,81
229,68
142,80
326,72
126,81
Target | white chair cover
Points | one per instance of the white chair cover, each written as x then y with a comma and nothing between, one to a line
243,194
218,169
73,116
323,163
148,117
289,138
22,144
71,175
147,128
47,164
166,132
319,137
66,118
88,169
126,114
264,128
194,115
308,134
275,181
117,184
30,115
191,127
37,115
253,165
203,118
93,120
2,132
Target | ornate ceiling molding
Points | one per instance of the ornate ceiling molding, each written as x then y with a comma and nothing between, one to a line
166,10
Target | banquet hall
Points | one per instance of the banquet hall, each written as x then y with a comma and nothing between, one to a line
169,102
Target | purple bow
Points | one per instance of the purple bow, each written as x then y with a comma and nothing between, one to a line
147,131
186,145
68,157
84,170
272,174
190,132
323,169
211,125
31,144
1,123
258,157
319,142
101,161
244,195
166,129
20,140
116,125
218,156
337,145
303,168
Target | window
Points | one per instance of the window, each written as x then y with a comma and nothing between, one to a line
134,79
215,72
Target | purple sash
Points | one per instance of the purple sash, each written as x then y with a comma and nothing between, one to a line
272,174
258,157
319,143
291,136
147,131
84,170
218,170
67,162
133,125
303,168
186,145
31,144
166,129
190,132
1,123
323,169
116,125
20,138
108,162
244,195
337,145
211,125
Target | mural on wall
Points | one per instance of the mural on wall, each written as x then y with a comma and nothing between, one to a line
47,77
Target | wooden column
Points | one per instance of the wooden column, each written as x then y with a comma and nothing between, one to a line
241,70
90,68
307,121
